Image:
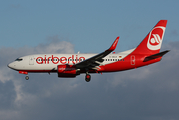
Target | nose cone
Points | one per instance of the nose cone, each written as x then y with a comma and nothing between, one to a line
11,65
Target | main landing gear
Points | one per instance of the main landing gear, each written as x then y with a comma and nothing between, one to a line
87,77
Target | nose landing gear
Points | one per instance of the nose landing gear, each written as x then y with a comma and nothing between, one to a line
26,73
27,77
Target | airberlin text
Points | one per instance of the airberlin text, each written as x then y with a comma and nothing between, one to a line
55,60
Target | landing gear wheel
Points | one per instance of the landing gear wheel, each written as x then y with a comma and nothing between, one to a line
88,77
27,77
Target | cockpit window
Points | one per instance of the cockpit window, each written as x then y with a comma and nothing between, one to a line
19,59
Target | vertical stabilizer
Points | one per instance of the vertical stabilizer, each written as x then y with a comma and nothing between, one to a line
151,44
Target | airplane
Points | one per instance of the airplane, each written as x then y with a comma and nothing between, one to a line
71,65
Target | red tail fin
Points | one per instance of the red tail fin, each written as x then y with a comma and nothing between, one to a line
153,41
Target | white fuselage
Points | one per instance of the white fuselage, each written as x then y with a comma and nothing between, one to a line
38,62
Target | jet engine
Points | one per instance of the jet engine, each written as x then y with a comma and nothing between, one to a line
67,71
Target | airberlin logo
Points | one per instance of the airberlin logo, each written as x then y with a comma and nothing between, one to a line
155,38
55,60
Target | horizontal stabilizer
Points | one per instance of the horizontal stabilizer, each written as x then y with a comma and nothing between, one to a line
158,55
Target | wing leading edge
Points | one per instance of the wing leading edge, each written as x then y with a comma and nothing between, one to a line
97,59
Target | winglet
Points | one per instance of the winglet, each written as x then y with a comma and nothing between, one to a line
113,46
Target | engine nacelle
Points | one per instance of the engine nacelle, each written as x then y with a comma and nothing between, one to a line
67,71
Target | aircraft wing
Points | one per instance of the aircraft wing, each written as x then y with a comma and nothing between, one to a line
97,59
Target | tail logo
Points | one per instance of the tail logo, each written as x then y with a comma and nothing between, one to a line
155,38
